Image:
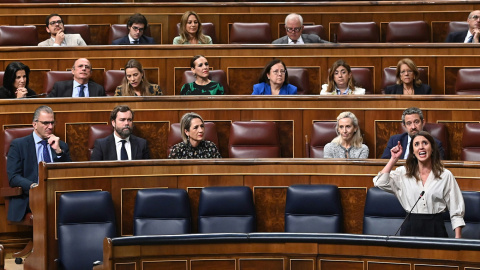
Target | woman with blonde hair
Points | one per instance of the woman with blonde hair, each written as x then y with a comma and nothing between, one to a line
348,143
408,80
191,31
135,83
341,81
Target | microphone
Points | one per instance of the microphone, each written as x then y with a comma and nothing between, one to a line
421,195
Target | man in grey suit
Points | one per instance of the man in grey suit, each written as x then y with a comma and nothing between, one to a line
80,86
121,145
294,29
56,29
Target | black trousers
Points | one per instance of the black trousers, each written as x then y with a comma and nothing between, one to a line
428,225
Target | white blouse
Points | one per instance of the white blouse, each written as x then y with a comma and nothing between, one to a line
440,193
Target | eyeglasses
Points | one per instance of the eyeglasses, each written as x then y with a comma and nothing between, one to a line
138,29
475,17
46,123
406,71
55,22
279,72
290,29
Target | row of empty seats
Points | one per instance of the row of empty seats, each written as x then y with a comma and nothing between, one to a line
467,82
252,33
86,218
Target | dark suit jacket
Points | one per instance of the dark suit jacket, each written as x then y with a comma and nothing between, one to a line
403,138
458,36
22,171
65,89
125,41
307,38
104,149
397,89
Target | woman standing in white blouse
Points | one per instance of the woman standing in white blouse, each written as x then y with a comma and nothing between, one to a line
423,172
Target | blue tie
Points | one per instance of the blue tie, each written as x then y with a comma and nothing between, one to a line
81,93
470,39
46,155
123,151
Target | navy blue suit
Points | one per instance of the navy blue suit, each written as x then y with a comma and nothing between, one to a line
22,171
65,89
458,36
104,149
403,138
125,41
397,89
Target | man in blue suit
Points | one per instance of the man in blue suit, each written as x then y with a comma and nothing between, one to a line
136,25
413,122
24,155
122,144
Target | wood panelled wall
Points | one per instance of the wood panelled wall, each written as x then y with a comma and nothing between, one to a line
163,17
268,179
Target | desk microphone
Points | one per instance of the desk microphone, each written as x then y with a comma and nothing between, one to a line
421,195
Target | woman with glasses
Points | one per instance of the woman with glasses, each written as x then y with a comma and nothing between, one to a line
341,81
274,80
135,83
408,80
202,84
15,81
191,31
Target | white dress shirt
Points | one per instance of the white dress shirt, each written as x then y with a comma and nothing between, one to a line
76,89
441,194
118,146
467,38
299,41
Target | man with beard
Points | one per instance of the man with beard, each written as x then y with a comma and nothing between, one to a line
472,35
413,122
80,86
56,29
121,145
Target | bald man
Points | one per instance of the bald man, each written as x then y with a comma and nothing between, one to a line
80,86
473,33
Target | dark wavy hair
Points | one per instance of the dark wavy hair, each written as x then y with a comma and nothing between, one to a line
11,74
268,67
412,162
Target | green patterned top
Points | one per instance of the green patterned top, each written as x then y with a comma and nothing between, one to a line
213,88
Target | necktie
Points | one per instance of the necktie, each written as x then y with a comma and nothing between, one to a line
470,39
81,93
135,41
123,151
46,155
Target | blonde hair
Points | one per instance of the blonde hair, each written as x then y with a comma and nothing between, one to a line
413,67
183,29
357,139
127,89
331,81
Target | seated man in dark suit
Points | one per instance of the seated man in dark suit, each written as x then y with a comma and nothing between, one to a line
136,26
24,155
121,145
294,28
412,120
473,33
80,86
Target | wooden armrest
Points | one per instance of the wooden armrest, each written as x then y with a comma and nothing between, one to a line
10,191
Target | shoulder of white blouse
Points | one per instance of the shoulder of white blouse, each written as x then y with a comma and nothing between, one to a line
324,90
359,91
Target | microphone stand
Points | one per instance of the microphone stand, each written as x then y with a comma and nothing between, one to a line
421,195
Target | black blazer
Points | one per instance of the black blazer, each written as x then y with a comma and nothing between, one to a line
125,41
397,89
22,170
104,149
458,36
403,138
65,89
5,93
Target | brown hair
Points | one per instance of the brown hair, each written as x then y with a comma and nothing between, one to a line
412,66
127,89
331,81
183,28
412,162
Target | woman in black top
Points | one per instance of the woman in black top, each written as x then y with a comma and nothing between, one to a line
408,80
15,81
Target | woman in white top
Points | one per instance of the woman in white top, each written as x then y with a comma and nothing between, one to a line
341,81
423,172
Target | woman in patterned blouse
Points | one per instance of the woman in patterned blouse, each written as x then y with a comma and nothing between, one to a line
341,81
135,84
193,146
202,84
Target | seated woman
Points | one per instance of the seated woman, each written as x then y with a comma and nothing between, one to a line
274,80
193,145
341,81
15,81
191,31
202,84
408,80
135,83
348,143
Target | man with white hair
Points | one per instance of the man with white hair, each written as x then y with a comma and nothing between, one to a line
294,29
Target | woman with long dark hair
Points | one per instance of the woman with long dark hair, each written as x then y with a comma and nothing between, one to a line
15,81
